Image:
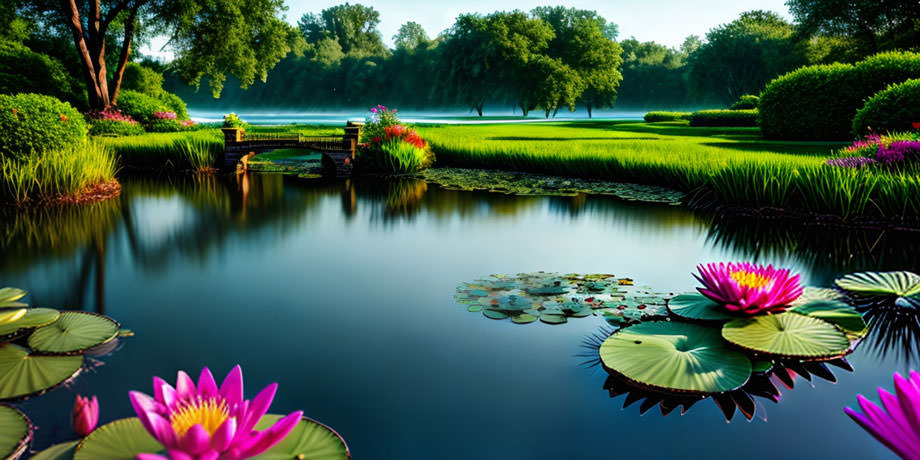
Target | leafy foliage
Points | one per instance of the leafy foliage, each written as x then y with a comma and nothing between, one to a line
140,106
872,26
746,102
724,118
659,116
33,123
895,108
25,71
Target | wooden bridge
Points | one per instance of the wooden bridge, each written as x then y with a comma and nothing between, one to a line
338,151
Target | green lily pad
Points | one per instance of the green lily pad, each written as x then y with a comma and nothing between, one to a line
15,432
309,439
787,335
63,451
552,318
120,440
22,374
676,357
73,332
11,315
494,314
697,306
523,318
838,313
901,284
9,297
813,294
34,317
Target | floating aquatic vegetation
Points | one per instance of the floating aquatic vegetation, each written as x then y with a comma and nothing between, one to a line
518,183
897,423
898,284
15,432
41,349
553,298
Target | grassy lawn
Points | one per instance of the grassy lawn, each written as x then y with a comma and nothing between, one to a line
734,166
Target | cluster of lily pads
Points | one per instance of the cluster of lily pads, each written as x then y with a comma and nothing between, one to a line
519,183
748,330
42,348
553,298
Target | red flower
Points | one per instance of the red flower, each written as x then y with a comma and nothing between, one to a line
916,125
63,117
376,139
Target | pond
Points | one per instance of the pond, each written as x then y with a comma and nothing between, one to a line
343,293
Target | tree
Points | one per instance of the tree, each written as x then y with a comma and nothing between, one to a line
354,27
654,75
872,25
742,56
210,38
410,36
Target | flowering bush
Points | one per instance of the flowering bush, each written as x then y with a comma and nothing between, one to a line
233,121
164,115
112,123
888,149
387,146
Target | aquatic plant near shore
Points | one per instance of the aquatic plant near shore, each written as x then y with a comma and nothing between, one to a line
205,421
747,288
897,423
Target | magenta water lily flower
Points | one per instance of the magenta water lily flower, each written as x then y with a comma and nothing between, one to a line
85,415
897,426
205,422
749,289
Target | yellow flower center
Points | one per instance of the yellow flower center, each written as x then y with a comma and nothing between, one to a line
208,413
747,279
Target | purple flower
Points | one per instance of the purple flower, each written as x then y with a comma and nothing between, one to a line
898,151
206,422
851,162
897,426
747,288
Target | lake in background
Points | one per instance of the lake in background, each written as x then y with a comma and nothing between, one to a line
343,293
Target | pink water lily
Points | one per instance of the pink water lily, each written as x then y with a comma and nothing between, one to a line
897,426
749,289
205,422
85,415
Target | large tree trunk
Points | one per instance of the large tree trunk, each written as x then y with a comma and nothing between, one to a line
98,94
589,109
123,57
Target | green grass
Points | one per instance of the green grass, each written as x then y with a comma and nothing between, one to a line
56,173
192,150
735,165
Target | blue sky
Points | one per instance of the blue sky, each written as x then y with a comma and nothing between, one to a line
663,21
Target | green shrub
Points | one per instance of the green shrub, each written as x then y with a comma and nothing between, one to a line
819,102
114,128
165,126
36,123
140,106
746,102
141,79
25,71
893,109
233,121
175,104
655,117
724,118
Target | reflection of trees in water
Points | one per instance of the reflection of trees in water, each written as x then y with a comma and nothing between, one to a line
827,252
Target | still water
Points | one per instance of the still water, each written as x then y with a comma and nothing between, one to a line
343,293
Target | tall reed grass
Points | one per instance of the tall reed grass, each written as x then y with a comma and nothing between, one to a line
191,150
738,171
58,172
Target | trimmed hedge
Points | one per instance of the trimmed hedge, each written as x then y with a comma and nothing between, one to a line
654,117
724,118
34,123
114,128
893,109
746,102
140,106
819,102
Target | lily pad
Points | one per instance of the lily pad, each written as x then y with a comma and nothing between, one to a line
119,440
676,357
838,313
34,317
15,432
309,439
73,332
22,374
11,315
9,297
813,294
63,451
697,306
901,284
787,335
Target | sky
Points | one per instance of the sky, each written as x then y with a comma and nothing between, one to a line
663,21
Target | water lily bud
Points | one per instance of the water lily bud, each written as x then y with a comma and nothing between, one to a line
85,415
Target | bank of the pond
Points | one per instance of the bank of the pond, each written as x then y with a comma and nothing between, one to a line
730,167
78,173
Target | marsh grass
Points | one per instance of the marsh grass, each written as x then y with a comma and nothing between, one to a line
56,173
193,150
734,164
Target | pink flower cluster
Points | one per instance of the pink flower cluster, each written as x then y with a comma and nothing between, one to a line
164,115
109,115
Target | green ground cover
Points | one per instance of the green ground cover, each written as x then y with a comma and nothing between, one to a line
730,166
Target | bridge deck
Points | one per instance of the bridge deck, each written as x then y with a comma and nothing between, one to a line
339,149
